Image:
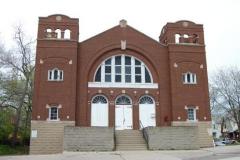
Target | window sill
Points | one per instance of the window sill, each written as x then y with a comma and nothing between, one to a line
121,85
192,121
49,120
190,83
55,80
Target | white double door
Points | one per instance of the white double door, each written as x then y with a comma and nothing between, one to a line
99,115
147,115
123,117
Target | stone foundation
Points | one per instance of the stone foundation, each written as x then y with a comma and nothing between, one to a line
204,131
48,136
205,134
88,139
166,138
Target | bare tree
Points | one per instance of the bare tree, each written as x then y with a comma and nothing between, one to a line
225,94
19,61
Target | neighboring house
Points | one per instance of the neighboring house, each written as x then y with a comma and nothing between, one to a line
224,128
216,130
119,79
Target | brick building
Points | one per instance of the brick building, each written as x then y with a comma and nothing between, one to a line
120,79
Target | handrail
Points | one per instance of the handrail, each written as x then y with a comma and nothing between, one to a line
114,136
141,125
145,136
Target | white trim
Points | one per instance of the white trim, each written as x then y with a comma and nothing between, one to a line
132,70
193,121
121,85
112,70
102,73
122,69
143,73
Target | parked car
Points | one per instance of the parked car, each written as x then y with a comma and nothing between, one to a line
228,141
219,143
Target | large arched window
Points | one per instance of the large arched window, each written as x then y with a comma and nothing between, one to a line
123,69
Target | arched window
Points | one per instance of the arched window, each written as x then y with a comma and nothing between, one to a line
185,36
123,69
48,30
48,33
58,33
177,38
99,100
195,38
189,78
55,75
146,100
67,34
123,100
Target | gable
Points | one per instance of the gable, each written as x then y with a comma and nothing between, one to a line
118,33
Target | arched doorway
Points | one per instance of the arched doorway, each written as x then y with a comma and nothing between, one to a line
123,113
147,112
99,111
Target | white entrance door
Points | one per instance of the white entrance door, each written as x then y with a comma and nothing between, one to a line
99,111
123,118
147,113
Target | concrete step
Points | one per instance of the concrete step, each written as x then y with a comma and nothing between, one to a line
130,140
134,148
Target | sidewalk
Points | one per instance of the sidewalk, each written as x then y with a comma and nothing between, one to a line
223,152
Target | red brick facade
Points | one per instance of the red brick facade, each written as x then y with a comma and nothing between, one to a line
166,60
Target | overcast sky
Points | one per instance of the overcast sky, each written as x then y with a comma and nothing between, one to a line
221,20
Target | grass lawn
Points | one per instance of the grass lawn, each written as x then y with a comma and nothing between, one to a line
8,150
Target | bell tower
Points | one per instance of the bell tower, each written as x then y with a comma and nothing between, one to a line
188,75
54,99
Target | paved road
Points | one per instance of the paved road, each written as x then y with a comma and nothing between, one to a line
224,153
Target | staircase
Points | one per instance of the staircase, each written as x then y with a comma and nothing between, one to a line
130,140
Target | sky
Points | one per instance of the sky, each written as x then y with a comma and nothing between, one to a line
221,20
